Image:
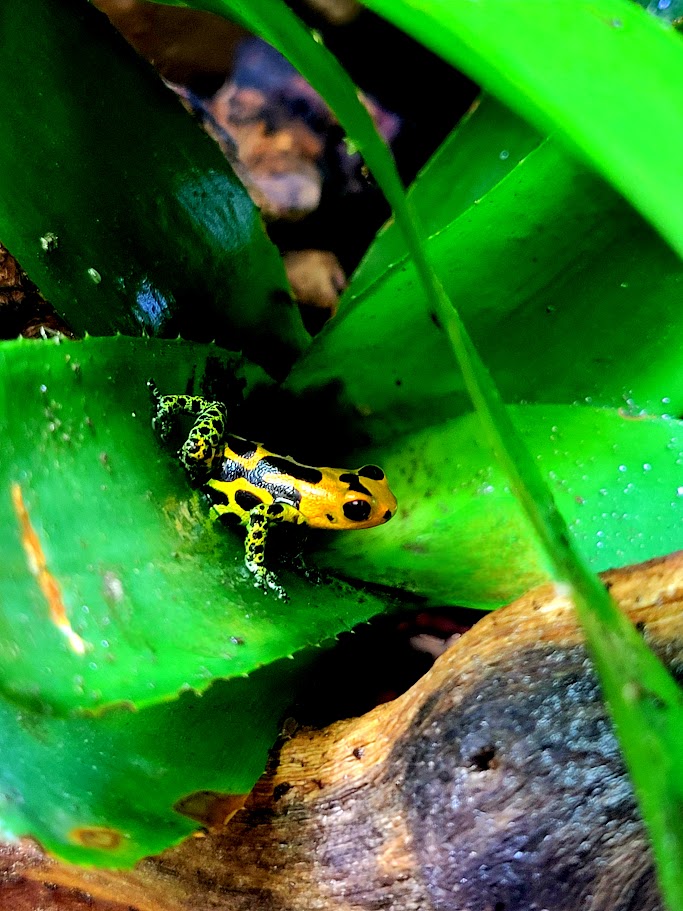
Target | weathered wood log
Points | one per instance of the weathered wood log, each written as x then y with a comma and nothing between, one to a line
493,784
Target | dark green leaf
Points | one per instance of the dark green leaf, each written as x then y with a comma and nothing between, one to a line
158,595
552,269
102,790
597,72
121,210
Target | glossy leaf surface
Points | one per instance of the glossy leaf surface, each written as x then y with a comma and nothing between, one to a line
157,594
551,269
483,148
597,72
460,536
109,790
122,211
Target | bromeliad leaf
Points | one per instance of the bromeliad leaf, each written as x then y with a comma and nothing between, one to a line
550,267
485,146
588,73
109,790
460,536
116,586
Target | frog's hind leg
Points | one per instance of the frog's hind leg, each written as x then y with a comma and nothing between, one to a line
260,519
204,440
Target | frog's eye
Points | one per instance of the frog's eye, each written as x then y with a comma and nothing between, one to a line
357,510
374,472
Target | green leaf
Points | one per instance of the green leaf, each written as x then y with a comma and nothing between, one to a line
484,147
98,523
122,211
460,537
597,72
551,268
109,790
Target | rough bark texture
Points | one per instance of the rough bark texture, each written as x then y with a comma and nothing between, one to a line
493,784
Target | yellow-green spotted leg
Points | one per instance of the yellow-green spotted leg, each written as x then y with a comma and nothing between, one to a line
261,517
204,440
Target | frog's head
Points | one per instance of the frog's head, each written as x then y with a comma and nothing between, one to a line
363,499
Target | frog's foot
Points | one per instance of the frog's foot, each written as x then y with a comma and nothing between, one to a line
261,517
265,580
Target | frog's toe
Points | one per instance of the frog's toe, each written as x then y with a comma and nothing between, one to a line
266,580
269,582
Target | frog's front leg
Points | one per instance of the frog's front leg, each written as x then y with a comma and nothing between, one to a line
260,519
204,440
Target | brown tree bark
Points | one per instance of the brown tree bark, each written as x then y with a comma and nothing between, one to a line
493,784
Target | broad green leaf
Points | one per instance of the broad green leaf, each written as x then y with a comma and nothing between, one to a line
485,146
110,790
552,268
460,537
115,585
122,211
597,72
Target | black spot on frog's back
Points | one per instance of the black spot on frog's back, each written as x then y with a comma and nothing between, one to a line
371,471
246,500
240,446
218,497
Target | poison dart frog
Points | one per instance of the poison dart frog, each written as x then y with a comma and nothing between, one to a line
244,479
